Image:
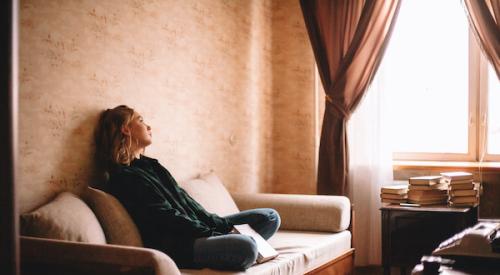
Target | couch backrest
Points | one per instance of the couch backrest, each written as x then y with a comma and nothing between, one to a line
117,224
210,192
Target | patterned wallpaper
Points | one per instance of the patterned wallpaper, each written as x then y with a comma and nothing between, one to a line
226,86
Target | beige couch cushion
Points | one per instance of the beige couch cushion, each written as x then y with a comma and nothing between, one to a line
303,212
117,224
209,191
300,252
66,217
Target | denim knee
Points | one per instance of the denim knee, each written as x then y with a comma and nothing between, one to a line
275,217
248,251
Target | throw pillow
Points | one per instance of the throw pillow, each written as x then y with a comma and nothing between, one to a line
66,217
117,224
210,192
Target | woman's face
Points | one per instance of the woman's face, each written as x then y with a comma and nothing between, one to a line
140,132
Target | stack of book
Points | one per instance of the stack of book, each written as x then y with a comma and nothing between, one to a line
395,194
427,190
462,191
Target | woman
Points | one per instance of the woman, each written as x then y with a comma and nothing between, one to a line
167,217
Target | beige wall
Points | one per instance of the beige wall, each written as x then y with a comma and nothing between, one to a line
294,105
226,85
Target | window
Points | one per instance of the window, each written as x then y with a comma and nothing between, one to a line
439,87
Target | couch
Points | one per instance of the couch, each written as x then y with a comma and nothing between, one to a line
91,233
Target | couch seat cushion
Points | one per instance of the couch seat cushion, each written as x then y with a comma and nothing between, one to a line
66,217
300,252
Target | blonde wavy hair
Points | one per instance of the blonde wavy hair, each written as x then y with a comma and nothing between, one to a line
112,146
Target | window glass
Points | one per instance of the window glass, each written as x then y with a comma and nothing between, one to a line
426,77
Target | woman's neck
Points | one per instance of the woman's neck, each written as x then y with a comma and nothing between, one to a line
137,153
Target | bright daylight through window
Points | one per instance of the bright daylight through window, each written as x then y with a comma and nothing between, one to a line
434,88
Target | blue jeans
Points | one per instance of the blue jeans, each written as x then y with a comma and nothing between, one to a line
235,251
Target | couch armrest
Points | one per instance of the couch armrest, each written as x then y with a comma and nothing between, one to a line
65,257
302,212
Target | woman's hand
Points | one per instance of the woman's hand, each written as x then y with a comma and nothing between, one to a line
233,231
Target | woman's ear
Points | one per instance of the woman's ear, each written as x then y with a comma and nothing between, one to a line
125,130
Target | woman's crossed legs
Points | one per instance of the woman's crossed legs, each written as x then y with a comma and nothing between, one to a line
235,251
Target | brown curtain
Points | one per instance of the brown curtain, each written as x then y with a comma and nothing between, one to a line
484,18
348,38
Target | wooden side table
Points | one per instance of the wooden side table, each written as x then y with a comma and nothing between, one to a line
408,233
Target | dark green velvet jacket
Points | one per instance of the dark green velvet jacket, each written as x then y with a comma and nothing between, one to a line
167,217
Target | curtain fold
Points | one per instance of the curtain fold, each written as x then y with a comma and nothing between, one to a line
348,40
484,18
